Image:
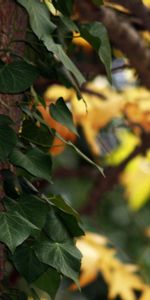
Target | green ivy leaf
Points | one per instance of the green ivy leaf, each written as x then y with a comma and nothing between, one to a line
30,207
70,25
27,263
38,135
61,113
8,138
95,33
64,257
62,204
16,77
67,225
5,120
34,161
65,60
43,28
74,227
64,7
52,222
39,17
14,229
90,161
49,282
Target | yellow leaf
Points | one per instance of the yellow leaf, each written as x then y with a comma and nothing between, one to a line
128,142
102,105
146,293
89,247
146,36
94,115
136,179
146,2
123,282
79,41
121,278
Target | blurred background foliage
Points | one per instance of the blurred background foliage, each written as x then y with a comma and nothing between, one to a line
113,122
116,206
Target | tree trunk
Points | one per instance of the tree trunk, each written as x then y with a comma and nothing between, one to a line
13,22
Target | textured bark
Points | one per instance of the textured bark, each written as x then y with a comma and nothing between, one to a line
13,22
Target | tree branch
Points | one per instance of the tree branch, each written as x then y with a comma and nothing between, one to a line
122,35
137,8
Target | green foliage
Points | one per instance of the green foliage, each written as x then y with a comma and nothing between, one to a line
16,77
38,229
64,7
39,135
39,17
61,55
59,202
70,25
27,263
49,282
95,33
14,229
53,221
26,206
67,226
64,257
34,161
60,112
43,27
29,217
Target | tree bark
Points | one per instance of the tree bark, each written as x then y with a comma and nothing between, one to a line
13,23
